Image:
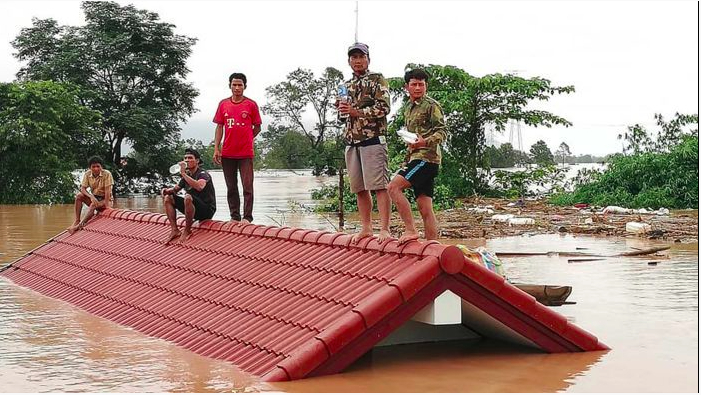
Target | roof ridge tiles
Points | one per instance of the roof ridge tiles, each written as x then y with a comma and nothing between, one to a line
262,231
253,230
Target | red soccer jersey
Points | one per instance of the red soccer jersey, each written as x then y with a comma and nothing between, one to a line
238,120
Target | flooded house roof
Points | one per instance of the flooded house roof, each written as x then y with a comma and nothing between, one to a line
280,303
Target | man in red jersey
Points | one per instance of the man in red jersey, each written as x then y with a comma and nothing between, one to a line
238,120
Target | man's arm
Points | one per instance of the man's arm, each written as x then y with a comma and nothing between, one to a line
170,191
108,197
85,192
380,94
197,184
438,134
218,133
256,130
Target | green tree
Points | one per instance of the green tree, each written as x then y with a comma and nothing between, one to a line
130,67
470,104
45,133
289,101
563,151
658,170
286,148
540,153
504,156
636,139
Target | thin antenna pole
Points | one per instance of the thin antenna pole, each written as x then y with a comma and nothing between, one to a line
356,21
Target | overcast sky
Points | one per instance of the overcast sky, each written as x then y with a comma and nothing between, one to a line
627,60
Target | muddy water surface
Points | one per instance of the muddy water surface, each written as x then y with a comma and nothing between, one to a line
647,314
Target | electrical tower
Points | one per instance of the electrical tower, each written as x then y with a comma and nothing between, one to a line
515,125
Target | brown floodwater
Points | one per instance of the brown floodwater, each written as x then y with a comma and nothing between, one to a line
647,314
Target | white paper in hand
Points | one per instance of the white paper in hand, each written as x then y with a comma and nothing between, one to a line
407,136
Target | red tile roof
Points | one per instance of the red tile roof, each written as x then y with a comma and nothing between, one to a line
281,303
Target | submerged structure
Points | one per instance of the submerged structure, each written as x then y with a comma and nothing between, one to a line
284,303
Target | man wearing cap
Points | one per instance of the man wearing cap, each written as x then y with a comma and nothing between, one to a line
366,148
199,202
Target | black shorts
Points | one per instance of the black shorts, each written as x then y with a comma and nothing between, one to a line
202,209
421,175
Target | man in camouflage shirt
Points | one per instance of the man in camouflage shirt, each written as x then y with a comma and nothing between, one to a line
365,113
423,116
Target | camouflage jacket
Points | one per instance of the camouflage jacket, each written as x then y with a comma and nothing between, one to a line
369,94
425,117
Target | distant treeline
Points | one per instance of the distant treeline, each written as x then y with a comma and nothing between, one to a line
506,156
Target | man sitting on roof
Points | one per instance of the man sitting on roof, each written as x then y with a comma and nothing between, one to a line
100,182
199,202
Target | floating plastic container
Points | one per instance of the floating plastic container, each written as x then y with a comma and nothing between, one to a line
502,217
638,227
521,221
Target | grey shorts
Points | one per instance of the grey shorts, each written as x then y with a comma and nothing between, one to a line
367,167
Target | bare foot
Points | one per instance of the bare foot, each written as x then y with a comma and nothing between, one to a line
245,222
174,233
407,237
360,235
185,235
384,235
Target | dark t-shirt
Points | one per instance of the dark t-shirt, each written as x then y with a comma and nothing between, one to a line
207,193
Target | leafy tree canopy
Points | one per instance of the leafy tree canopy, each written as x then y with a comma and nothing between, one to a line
563,151
541,154
45,133
659,170
471,104
289,101
130,66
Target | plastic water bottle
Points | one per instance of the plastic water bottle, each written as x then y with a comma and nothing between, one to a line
343,97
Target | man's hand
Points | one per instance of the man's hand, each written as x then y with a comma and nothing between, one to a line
217,156
346,109
167,191
183,167
420,143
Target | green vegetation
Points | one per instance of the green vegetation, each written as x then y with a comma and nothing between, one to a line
471,104
130,68
289,141
563,151
523,183
506,156
45,133
328,197
541,154
660,170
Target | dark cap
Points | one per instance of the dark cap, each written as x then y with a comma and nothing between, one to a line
359,47
194,153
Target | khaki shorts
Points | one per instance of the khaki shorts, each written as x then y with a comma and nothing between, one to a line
367,167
